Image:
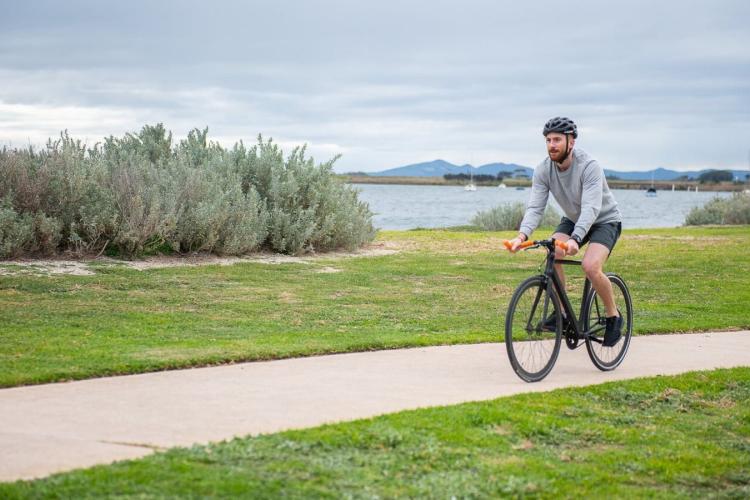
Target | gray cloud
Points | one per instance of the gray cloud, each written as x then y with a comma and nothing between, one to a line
664,84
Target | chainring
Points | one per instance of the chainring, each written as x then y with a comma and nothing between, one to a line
571,337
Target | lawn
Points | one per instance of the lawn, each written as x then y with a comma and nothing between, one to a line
441,287
663,437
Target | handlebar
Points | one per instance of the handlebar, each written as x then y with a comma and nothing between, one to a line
536,243
525,244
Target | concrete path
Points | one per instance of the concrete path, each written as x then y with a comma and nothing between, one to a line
58,427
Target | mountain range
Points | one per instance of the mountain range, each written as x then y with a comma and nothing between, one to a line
438,168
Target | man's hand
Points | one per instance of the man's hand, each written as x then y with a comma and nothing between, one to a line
572,247
515,243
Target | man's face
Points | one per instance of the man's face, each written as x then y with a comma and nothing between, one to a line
556,146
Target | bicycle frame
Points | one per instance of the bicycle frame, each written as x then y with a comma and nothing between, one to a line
550,273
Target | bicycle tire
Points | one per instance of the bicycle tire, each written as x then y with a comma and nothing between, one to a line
608,358
527,343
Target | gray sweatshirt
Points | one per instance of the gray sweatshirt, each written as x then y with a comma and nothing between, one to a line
581,191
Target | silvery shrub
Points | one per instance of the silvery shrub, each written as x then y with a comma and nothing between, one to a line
733,210
508,217
143,193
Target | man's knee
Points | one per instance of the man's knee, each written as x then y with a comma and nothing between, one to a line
593,261
591,266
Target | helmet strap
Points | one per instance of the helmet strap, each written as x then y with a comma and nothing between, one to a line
567,150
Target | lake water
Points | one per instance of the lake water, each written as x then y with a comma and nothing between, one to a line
408,207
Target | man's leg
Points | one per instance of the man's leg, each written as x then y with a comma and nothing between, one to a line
559,254
593,264
562,233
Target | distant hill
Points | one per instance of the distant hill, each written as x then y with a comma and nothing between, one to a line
494,168
438,168
663,174
442,167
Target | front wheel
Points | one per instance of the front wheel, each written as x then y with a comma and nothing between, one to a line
595,320
532,347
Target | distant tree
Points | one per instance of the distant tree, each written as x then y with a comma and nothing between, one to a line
612,177
715,176
466,177
484,178
501,175
455,177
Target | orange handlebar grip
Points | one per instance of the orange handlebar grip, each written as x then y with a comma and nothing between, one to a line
562,245
525,244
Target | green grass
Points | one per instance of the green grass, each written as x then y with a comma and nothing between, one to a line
663,437
443,287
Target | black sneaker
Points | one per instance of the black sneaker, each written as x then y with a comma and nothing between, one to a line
550,324
613,332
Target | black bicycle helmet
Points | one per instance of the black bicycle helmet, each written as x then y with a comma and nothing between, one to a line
561,125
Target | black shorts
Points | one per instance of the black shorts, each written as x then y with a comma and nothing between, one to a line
605,234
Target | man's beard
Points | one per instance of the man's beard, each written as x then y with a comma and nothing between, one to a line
557,157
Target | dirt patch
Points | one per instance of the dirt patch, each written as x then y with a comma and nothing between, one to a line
328,270
82,267
502,289
262,258
160,262
288,298
45,267
446,243
523,445
688,239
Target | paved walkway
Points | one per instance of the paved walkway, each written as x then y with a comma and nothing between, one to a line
57,427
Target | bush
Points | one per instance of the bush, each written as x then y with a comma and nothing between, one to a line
16,231
509,216
308,207
47,233
716,176
734,210
141,193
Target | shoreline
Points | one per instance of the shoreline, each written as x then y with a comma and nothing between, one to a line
513,183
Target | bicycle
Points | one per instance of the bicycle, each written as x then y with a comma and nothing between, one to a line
533,348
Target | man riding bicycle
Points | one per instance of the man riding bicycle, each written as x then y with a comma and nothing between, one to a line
591,215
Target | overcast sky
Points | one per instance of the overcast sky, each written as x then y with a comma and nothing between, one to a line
389,83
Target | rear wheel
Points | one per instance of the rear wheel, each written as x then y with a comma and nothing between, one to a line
595,320
531,348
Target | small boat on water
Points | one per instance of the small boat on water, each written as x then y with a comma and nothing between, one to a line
651,192
520,188
502,185
470,186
